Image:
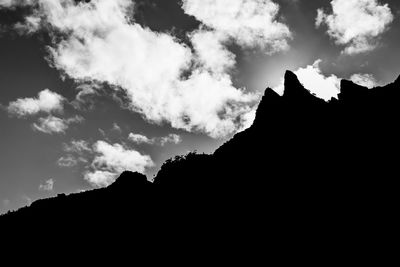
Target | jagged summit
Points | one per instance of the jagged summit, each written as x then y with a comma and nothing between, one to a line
295,91
349,91
293,88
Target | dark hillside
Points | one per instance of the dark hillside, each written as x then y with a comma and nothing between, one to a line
306,170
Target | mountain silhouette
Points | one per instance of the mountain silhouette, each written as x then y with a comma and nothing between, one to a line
310,173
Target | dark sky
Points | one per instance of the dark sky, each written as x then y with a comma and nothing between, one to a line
54,144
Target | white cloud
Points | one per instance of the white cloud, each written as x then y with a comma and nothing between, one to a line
141,139
52,124
112,160
211,52
171,139
99,178
46,101
78,151
47,186
163,78
14,3
366,80
320,85
356,24
250,23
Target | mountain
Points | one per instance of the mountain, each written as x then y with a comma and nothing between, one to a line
311,173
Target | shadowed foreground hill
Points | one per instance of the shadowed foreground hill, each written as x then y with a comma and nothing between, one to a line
307,172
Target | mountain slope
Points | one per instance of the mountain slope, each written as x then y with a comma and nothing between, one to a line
305,166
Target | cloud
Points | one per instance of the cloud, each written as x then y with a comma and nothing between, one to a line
99,178
111,160
84,99
78,151
366,80
27,199
14,3
320,85
356,24
171,139
46,102
116,128
67,161
77,146
250,23
47,186
141,139
164,79
52,124
211,53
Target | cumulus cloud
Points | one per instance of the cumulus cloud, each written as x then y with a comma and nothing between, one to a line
111,160
366,80
46,102
320,85
52,124
211,53
356,24
142,139
164,79
47,186
250,23
99,178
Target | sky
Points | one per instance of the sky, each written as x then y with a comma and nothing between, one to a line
89,89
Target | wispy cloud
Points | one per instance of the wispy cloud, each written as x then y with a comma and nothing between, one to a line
47,186
77,146
55,125
27,199
78,151
142,139
67,161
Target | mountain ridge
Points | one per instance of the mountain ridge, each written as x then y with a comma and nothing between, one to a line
303,160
